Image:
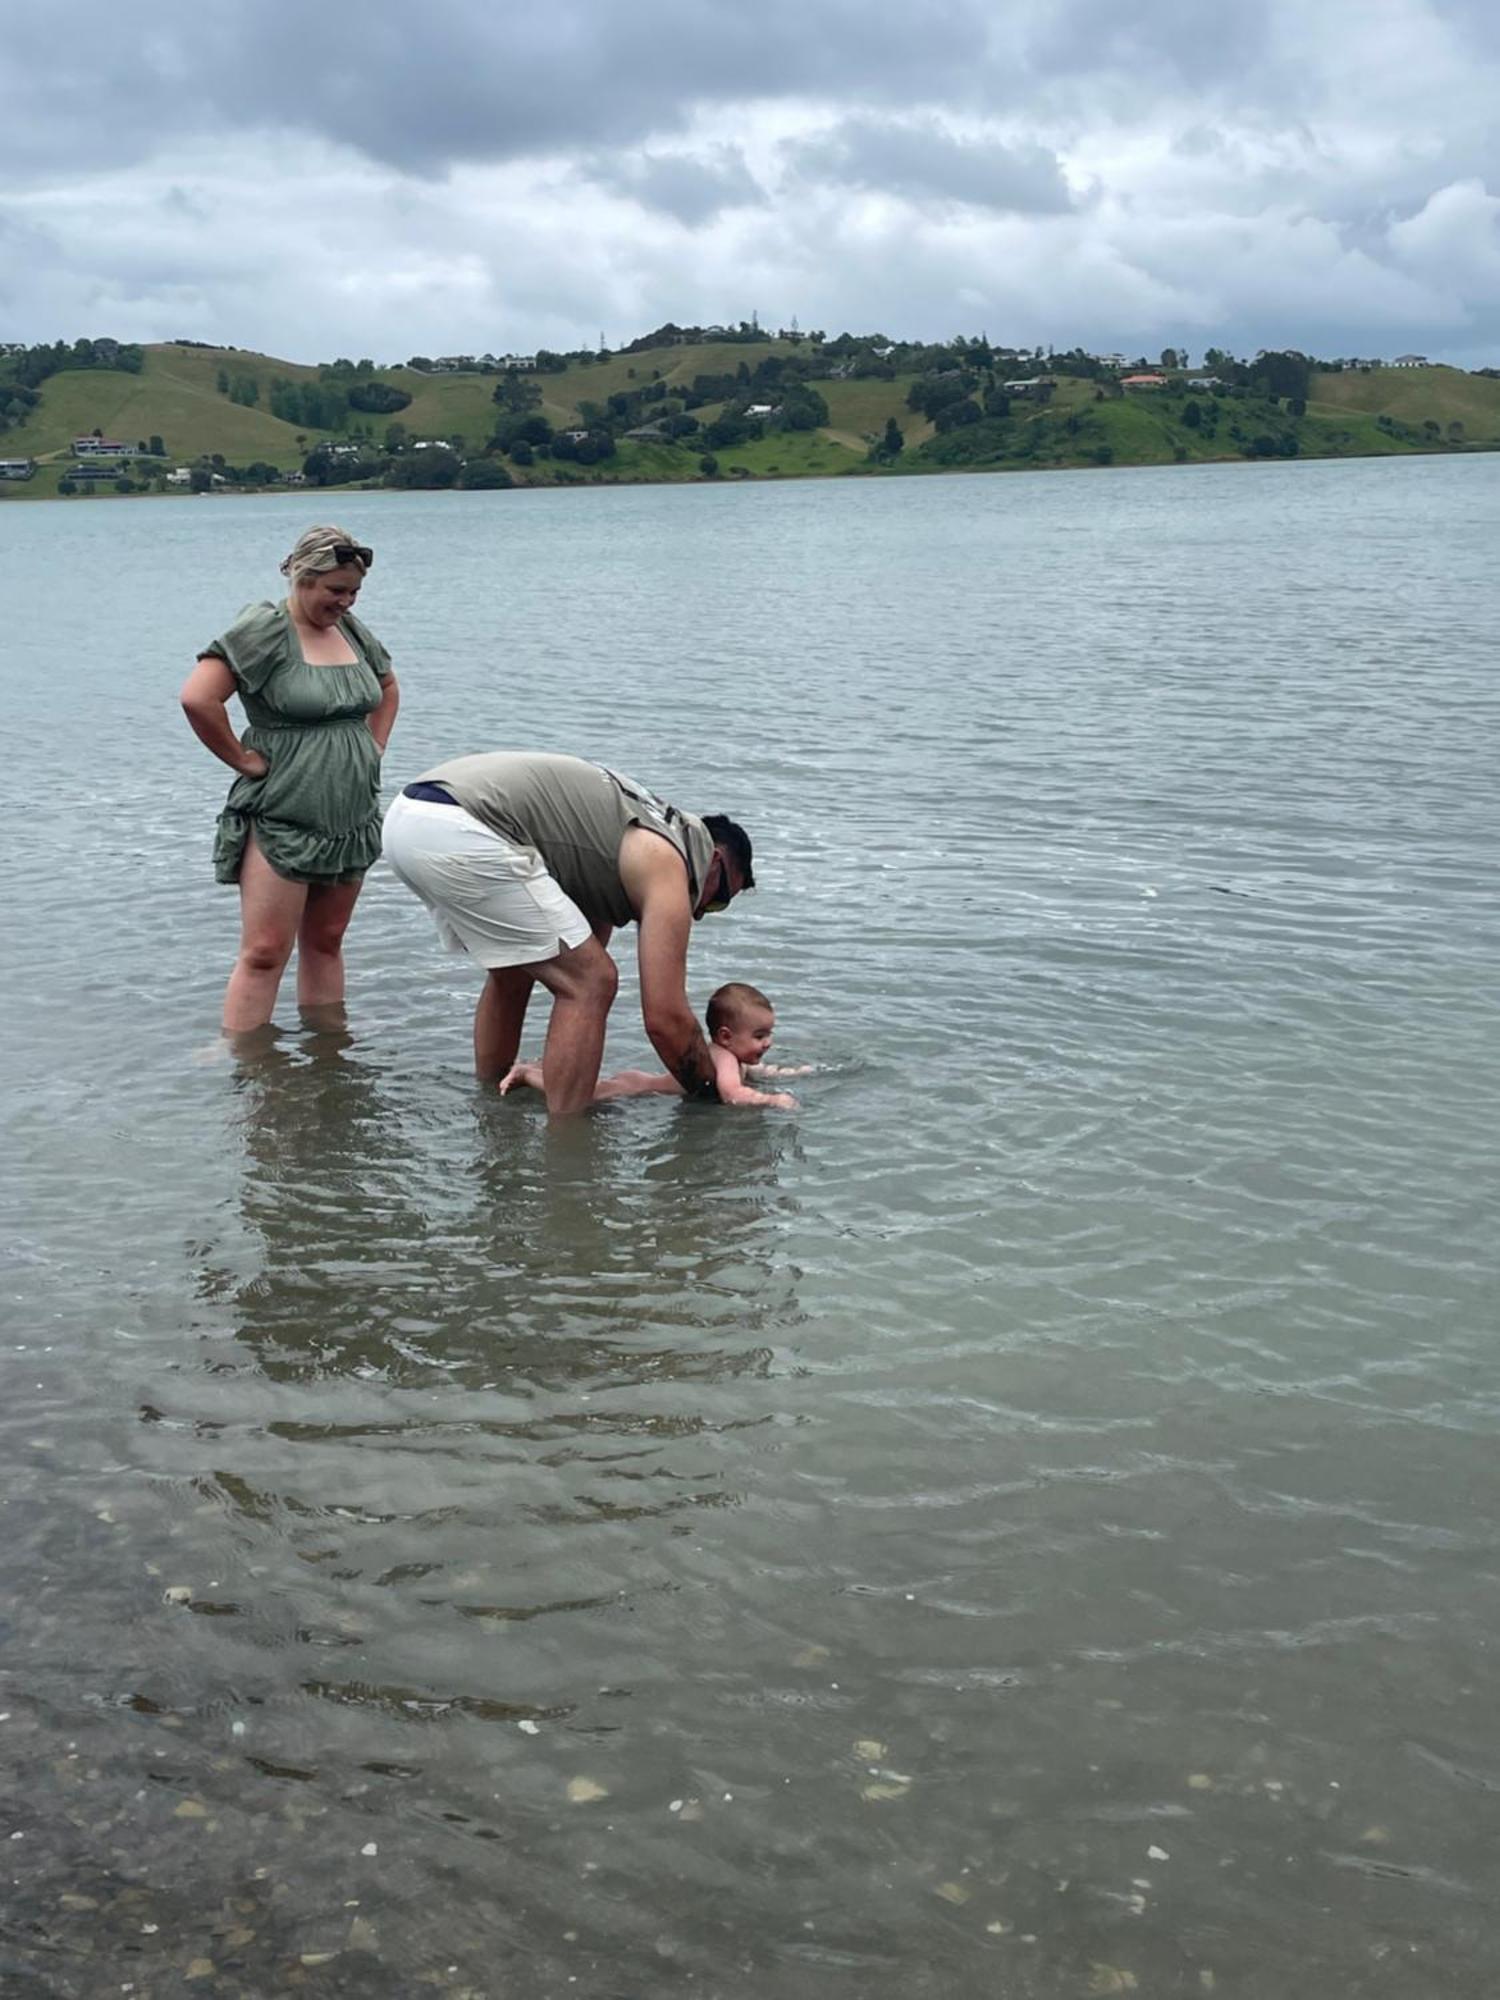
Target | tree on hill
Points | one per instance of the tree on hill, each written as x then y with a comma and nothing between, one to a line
436,467
530,431
1280,373
515,392
887,449
380,399
484,475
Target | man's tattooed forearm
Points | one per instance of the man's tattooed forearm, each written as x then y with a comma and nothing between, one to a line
694,1070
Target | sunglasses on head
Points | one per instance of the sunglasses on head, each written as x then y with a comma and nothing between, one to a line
353,552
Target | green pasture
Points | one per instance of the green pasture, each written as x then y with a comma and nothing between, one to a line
1413,396
175,396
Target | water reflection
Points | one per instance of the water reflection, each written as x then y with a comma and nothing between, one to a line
494,1361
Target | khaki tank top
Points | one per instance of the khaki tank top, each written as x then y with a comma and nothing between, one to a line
573,815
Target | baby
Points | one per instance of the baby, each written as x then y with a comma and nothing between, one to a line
741,1022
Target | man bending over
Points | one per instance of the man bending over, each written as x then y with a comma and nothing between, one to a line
529,862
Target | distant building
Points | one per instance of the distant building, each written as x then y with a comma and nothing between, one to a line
1021,386
294,478
180,476
1143,381
17,468
647,434
760,411
1204,382
453,364
1411,361
92,447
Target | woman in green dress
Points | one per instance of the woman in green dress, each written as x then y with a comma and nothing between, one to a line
302,822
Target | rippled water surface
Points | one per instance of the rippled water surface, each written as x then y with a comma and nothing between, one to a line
1023,1524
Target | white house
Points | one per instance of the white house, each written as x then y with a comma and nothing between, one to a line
92,447
17,468
1411,361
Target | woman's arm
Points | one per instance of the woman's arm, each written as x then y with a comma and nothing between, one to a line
204,694
382,720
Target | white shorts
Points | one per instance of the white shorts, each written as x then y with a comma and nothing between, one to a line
489,897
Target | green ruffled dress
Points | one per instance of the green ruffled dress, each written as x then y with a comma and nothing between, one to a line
316,812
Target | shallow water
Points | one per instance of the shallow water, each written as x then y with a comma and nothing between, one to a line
1024,1523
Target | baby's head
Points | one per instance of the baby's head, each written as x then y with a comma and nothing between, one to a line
742,1020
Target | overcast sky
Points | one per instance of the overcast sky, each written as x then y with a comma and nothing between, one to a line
469,175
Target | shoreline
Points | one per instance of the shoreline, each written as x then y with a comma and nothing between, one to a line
859,471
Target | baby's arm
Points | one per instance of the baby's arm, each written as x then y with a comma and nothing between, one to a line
780,1069
733,1089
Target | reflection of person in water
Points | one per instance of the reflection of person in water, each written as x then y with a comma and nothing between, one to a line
496,1368
546,1253
623,1246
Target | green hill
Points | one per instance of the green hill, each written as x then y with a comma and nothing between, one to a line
177,396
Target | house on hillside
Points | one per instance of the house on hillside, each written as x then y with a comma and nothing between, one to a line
758,412
92,447
1143,381
1021,385
1411,361
17,468
1204,382
648,434
453,364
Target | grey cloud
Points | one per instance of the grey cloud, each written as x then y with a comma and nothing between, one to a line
689,187
1146,41
923,162
458,81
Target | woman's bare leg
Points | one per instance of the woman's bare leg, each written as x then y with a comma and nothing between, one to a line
270,911
320,943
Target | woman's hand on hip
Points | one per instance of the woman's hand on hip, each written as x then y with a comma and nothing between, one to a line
253,765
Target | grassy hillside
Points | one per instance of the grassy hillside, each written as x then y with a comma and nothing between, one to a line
175,396
1413,396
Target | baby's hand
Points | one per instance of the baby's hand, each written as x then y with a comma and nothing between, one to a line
529,1073
781,1100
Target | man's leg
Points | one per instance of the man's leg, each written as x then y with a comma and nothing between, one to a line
499,1019
582,980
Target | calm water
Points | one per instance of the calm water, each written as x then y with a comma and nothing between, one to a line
1024,1524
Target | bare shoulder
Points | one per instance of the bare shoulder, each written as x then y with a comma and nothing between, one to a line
650,866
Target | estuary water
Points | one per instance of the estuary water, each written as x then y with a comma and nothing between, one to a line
1024,1523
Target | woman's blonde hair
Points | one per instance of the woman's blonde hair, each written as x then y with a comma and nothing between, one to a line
319,549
